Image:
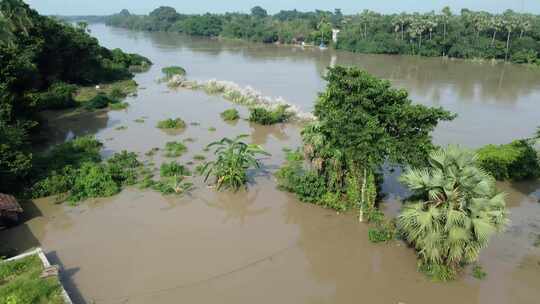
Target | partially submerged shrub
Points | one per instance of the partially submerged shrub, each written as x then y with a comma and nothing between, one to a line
174,149
517,160
173,70
266,116
199,157
478,272
173,169
124,168
93,180
234,158
230,115
170,123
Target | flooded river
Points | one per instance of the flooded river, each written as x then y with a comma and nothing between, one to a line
262,245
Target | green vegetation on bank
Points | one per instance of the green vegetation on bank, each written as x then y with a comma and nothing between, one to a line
22,284
468,34
42,62
234,158
74,171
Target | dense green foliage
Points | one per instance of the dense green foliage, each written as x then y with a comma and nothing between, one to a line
170,123
22,284
173,70
362,123
454,210
230,115
469,34
265,116
74,171
41,61
517,160
233,159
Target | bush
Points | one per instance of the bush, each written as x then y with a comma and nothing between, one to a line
173,169
119,106
93,180
171,124
58,96
382,233
478,272
124,168
436,272
173,70
517,161
100,101
269,117
230,115
174,149
117,93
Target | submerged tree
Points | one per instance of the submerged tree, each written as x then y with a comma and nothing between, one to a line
454,210
362,123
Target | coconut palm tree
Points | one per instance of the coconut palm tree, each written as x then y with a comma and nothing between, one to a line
455,210
495,23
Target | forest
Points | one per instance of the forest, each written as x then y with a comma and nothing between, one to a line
509,36
42,63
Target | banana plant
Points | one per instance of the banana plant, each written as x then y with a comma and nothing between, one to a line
233,159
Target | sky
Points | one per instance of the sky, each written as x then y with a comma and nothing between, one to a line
106,7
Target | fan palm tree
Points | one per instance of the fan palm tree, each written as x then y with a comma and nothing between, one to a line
16,13
456,210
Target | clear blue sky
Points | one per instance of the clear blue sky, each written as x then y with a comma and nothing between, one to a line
101,7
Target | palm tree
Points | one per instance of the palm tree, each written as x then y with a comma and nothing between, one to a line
6,34
456,209
496,23
444,18
16,13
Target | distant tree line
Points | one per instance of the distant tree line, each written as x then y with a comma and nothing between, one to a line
510,36
42,61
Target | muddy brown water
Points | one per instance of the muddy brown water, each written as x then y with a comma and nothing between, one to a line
262,245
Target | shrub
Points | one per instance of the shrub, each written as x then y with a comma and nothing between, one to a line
100,101
173,70
382,233
124,168
517,160
117,93
58,96
173,169
269,116
170,123
478,272
436,272
93,180
230,115
174,149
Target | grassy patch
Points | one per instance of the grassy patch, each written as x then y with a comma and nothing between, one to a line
212,129
230,115
265,116
174,149
139,120
119,106
21,283
189,140
120,128
119,88
170,123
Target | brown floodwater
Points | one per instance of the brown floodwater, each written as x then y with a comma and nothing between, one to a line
262,245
